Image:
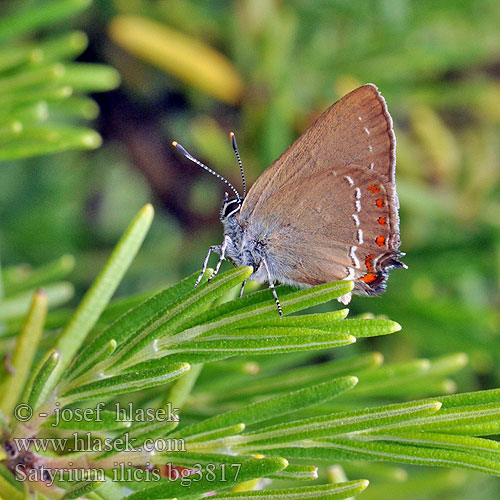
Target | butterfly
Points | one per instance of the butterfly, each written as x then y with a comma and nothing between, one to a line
326,209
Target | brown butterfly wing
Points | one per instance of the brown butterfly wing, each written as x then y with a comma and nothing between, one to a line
357,129
327,208
339,224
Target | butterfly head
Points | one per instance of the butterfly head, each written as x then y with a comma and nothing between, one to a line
230,207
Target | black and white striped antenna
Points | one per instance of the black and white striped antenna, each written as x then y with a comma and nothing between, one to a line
208,169
237,153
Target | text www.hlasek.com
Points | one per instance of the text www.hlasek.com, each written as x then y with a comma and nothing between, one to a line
87,443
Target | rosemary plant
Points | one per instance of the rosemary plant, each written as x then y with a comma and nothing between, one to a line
162,399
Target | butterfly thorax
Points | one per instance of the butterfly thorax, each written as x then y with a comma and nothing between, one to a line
243,248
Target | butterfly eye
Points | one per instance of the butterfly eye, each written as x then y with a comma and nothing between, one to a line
229,207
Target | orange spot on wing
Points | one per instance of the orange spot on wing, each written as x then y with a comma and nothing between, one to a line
382,220
380,241
368,262
369,277
379,202
374,189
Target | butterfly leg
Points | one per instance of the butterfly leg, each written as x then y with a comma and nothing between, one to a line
222,250
271,286
242,288
215,248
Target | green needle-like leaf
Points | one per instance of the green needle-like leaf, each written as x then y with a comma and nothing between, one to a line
100,293
447,418
15,282
298,473
179,312
128,382
294,379
100,355
81,489
91,77
18,304
470,398
267,345
216,433
24,353
332,450
181,389
88,420
485,448
9,491
139,432
36,17
323,492
320,320
60,47
13,103
133,320
245,315
279,405
36,388
224,475
77,106
33,77
335,424
35,141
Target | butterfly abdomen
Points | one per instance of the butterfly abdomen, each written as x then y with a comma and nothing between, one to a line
374,282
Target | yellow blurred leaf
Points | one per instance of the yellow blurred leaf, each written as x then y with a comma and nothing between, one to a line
488,102
186,58
438,142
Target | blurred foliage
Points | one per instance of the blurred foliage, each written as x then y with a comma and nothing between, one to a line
274,67
40,89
